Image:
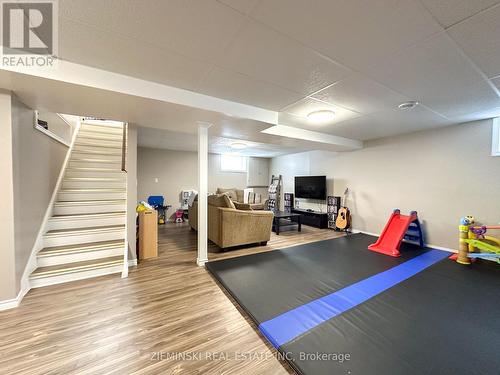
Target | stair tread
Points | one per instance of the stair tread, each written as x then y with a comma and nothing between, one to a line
86,190
114,125
76,266
101,151
90,202
114,137
56,232
100,148
67,249
120,178
95,169
97,160
89,215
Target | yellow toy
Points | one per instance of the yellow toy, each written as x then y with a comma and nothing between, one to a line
473,239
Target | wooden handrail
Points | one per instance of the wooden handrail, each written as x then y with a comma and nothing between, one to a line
124,147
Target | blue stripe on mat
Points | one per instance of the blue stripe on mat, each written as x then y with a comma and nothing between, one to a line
293,323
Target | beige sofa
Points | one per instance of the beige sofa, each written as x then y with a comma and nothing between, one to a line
237,195
229,226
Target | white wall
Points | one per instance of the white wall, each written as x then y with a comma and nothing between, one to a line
8,289
290,166
443,174
37,162
30,163
177,171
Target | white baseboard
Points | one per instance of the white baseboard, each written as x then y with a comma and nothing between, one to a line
15,302
132,262
201,262
426,244
9,303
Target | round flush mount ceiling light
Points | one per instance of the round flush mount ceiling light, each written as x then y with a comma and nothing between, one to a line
408,105
324,115
238,145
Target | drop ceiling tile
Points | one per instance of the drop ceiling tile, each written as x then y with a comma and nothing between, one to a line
437,74
389,123
449,12
352,32
118,55
479,37
496,82
263,53
243,6
240,88
296,114
199,29
361,94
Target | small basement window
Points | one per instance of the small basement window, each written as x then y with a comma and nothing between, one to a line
495,143
233,163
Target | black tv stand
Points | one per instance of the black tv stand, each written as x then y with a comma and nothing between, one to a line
312,218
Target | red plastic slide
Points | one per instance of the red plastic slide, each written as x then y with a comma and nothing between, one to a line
389,241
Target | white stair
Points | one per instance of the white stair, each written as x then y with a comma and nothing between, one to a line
57,255
86,220
98,150
100,142
91,194
94,172
44,276
93,182
89,207
99,129
86,162
85,236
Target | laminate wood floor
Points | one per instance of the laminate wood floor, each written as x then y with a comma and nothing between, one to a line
139,325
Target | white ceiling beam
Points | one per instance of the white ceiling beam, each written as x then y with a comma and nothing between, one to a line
312,136
82,75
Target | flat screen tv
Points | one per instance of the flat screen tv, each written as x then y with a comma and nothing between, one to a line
310,187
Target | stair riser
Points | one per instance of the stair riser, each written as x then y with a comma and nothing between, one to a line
55,224
96,129
90,156
98,142
55,260
83,238
94,184
85,135
95,164
116,173
88,209
95,150
51,280
82,196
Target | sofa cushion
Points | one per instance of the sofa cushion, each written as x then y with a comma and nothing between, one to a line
243,206
240,195
230,192
220,200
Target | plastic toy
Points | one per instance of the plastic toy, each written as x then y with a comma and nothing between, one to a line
179,216
157,201
474,238
398,227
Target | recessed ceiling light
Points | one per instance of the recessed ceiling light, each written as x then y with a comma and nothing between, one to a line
238,145
408,105
324,115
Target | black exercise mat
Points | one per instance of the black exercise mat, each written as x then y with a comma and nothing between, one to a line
444,320
268,284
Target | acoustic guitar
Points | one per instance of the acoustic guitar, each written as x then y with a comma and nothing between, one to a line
343,220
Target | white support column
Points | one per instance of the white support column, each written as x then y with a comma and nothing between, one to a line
202,193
